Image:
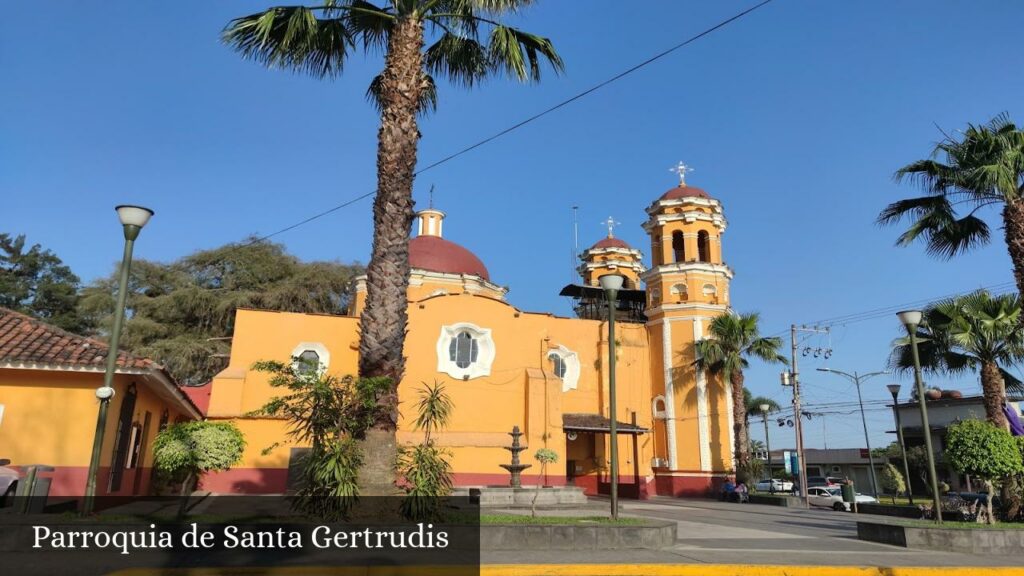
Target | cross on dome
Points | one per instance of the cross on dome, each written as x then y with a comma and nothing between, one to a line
611,224
681,169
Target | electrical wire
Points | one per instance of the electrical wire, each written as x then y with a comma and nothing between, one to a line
519,124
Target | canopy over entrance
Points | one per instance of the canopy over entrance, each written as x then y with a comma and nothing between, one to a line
581,422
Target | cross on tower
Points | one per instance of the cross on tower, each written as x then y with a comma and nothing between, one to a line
611,224
681,169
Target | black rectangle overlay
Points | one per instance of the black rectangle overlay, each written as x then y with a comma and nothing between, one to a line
241,532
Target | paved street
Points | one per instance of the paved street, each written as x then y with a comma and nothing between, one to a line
722,533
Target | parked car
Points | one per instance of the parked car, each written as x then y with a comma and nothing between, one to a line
774,485
826,481
832,497
8,482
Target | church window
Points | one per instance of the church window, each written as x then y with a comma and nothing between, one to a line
679,291
658,407
310,358
308,362
710,290
557,365
704,246
566,366
655,297
463,350
678,246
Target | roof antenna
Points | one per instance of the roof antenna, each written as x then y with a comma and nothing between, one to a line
575,244
431,203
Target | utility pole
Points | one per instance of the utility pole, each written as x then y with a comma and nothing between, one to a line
857,379
799,428
792,378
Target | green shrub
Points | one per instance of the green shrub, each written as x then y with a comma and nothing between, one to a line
425,467
984,451
328,414
892,481
184,451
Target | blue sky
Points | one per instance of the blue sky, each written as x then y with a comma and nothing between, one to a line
795,117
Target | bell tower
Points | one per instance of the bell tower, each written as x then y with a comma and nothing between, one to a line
687,286
611,255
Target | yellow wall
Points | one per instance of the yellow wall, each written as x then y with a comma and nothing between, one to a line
50,418
520,390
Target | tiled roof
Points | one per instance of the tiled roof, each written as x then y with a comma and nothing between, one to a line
597,423
200,396
25,339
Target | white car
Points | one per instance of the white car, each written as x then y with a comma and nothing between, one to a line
8,482
832,497
775,485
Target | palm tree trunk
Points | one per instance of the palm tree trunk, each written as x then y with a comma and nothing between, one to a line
1013,229
994,394
385,318
739,419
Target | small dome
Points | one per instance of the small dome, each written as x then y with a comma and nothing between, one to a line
436,254
684,192
611,243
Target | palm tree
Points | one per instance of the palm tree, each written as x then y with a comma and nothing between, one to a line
732,339
984,167
753,407
318,40
975,332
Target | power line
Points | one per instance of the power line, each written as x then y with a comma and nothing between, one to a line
855,317
521,123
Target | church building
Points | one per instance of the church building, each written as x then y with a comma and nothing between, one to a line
546,374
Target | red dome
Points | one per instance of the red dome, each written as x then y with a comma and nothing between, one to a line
611,243
684,192
439,255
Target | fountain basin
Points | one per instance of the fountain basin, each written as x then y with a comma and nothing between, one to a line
508,497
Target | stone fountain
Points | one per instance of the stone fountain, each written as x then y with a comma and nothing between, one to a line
515,495
515,468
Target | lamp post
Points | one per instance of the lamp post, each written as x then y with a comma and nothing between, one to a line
857,379
767,446
894,389
612,283
911,319
133,218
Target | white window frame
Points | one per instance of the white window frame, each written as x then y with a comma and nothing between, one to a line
659,414
571,360
321,351
485,351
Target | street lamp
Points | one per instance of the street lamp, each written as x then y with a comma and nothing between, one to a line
857,378
611,284
894,389
133,218
911,319
767,446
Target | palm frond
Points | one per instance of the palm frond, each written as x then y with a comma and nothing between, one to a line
371,23
518,53
462,60
957,237
291,37
914,208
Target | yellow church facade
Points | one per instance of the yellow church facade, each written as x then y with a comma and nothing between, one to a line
548,375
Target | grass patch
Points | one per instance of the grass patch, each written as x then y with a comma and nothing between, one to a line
961,525
487,519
